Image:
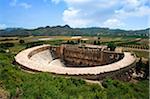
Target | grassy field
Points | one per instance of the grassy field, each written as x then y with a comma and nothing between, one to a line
141,54
16,84
144,54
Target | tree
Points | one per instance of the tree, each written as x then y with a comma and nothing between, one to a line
84,41
78,41
68,42
95,43
98,43
21,41
111,46
71,42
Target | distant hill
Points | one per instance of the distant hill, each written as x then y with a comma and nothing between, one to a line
68,31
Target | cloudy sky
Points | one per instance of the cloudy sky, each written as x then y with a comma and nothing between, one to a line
123,14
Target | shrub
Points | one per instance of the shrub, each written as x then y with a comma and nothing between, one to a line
6,45
21,41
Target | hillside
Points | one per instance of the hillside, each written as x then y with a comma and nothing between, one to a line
68,31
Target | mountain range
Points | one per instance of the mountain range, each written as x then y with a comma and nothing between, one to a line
66,30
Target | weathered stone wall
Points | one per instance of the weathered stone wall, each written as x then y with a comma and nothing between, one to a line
86,56
55,51
101,76
38,50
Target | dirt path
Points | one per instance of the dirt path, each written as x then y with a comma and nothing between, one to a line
93,82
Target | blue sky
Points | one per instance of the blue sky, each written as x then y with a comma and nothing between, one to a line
123,14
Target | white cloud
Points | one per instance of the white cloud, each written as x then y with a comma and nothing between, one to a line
113,23
102,12
15,3
86,12
133,8
25,5
72,17
3,26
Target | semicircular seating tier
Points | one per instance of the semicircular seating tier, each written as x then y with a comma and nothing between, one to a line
47,58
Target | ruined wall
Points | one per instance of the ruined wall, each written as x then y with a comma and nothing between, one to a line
104,75
38,50
55,52
86,56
